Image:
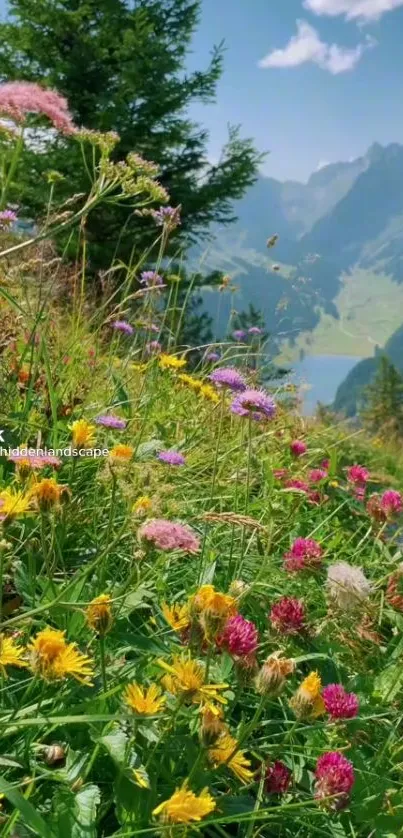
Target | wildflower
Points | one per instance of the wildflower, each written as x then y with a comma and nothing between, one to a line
212,725
194,383
394,590
307,703
122,326
348,587
153,347
304,553
10,654
278,778
239,334
300,485
280,473
298,448
173,458
212,357
121,452
339,703
225,752
228,377
19,98
151,279
34,461
208,392
254,403
7,218
13,503
357,475
186,678
176,615
272,676
99,614
168,535
144,701
391,503
239,637
255,330
316,475
334,776
186,807
169,217
53,658
48,492
110,421
142,505
238,588
83,433
287,615
171,362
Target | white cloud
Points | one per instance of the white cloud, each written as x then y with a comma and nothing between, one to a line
363,10
306,46
322,165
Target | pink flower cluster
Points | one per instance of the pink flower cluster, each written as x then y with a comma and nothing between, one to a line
302,486
391,503
339,703
239,637
278,778
305,553
298,448
287,615
334,776
19,98
168,535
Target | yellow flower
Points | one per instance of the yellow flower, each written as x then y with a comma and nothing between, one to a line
53,658
121,452
99,614
223,753
214,602
186,678
10,654
142,505
176,615
212,725
136,366
13,503
145,701
190,381
209,393
307,703
171,362
184,806
271,678
48,492
83,433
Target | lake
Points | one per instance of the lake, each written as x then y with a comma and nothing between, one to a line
323,374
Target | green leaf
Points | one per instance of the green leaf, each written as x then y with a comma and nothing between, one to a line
115,743
148,449
30,816
85,805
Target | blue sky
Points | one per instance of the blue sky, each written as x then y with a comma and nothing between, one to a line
328,108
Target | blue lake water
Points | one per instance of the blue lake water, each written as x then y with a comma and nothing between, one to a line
322,374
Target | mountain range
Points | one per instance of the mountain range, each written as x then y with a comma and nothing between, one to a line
348,217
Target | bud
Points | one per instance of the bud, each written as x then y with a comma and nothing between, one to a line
394,590
54,754
238,588
48,493
272,676
307,703
212,725
99,614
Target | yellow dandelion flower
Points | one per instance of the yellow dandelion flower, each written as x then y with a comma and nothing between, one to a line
213,602
142,505
176,615
13,503
212,725
147,701
186,678
48,492
136,366
225,753
171,362
10,654
99,614
53,658
190,381
83,433
184,806
121,452
307,703
207,390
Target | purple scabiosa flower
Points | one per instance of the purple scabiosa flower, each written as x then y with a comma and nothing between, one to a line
391,503
173,458
239,637
316,475
7,218
239,334
334,776
169,535
122,326
228,377
111,421
255,330
304,553
212,357
254,403
168,216
287,615
340,704
298,448
153,347
358,475
151,279
278,778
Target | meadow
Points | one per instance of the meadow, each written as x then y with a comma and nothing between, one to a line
201,625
